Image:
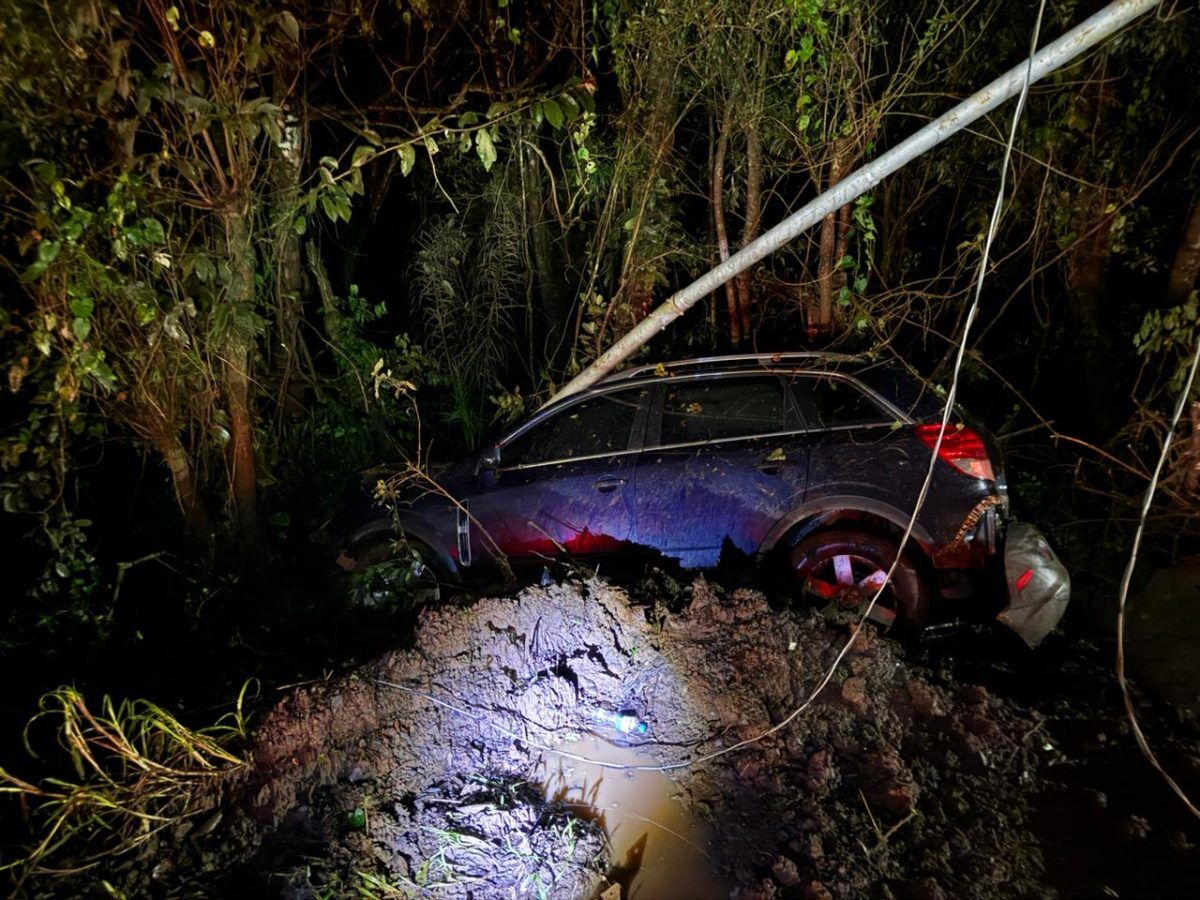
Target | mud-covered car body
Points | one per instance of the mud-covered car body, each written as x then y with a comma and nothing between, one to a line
711,460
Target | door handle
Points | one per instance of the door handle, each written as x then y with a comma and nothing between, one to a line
608,484
774,466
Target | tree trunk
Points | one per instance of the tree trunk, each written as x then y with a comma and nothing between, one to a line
753,222
827,261
236,375
285,178
1186,267
655,135
1087,271
195,516
329,311
842,247
551,283
718,194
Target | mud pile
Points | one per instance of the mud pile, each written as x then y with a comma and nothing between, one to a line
426,770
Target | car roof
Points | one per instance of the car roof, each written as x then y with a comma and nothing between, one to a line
735,362
912,397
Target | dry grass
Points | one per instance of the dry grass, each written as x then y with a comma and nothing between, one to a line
138,770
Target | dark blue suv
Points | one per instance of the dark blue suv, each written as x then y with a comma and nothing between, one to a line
811,460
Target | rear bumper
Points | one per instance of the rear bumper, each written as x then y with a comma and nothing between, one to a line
1038,584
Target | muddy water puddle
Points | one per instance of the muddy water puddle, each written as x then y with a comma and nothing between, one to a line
659,850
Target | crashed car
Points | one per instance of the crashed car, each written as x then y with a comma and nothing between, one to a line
810,461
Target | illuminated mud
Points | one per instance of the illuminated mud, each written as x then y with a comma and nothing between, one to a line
433,770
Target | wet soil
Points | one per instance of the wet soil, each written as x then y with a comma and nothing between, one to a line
469,765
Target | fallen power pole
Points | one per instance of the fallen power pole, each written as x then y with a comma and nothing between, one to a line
1079,39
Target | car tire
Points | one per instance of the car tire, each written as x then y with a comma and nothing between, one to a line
842,569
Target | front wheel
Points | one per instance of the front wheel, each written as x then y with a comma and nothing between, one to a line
845,569
386,571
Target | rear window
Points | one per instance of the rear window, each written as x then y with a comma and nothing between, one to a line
731,407
592,427
831,402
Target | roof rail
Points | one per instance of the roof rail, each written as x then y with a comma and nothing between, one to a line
700,361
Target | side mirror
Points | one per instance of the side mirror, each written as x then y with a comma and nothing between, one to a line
489,460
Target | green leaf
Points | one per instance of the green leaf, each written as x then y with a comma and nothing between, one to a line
300,224
361,154
104,93
152,231
82,307
41,340
535,111
486,149
34,272
570,107
104,374
554,113
81,328
806,48
48,251
408,158
206,271
289,26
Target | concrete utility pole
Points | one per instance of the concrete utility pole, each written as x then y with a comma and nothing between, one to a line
1079,39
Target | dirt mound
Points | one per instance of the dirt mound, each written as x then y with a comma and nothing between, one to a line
426,769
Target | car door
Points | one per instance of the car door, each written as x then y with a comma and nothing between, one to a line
724,460
563,482
857,447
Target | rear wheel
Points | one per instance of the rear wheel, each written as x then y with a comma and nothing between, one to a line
843,570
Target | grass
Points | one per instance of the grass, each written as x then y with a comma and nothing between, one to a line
138,770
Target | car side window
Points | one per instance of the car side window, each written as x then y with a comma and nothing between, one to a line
592,427
833,402
727,408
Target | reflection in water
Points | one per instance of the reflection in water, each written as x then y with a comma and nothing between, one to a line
659,850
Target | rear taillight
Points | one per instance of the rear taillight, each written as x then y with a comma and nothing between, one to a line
961,447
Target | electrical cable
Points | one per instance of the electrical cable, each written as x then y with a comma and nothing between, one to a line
934,461
1142,743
